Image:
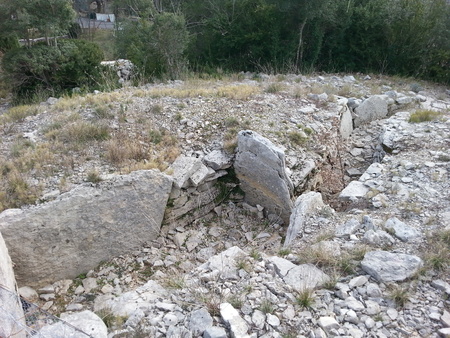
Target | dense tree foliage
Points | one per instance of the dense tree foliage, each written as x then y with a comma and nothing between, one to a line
407,37
155,42
28,19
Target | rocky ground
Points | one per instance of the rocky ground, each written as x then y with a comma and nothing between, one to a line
374,262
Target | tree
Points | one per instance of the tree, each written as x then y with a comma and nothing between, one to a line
28,19
156,45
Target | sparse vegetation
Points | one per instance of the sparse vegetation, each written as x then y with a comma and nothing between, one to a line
93,177
284,252
305,298
424,116
266,306
298,138
111,321
437,255
400,294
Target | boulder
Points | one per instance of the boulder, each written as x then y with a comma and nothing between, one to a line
260,168
374,108
304,205
11,314
390,267
199,321
85,226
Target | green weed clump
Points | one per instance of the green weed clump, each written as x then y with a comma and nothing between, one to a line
424,116
305,298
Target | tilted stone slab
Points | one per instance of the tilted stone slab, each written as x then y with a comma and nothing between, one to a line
85,226
390,267
304,206
260,168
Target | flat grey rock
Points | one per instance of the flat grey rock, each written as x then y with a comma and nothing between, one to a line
401,230
81,323
390,267
355,189
199,321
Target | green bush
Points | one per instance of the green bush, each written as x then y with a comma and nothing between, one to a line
52,69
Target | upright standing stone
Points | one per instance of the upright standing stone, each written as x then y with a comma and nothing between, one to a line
11,313
260,167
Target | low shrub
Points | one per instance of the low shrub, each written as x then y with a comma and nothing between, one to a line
424,116
52,70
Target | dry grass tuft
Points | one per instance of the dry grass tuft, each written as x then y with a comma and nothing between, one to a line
424,116
19,113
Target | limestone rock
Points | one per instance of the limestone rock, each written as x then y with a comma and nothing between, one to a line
300,277
11,314
355,189
388,267
304,205
328,323
348,228
373,108
200,320
85,226
217,160
224,263
215,332
86,321
401,230
236,324
260,167
28,293
346,124
127,303
182,170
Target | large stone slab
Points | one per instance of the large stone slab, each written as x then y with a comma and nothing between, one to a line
390,267
260,168
374,108
11,313
304,205
85,226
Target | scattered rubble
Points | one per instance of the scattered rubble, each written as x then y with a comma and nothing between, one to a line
233,270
